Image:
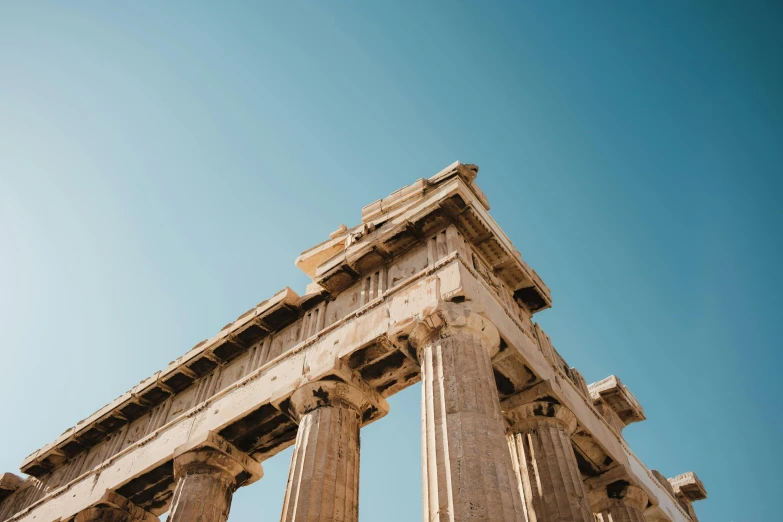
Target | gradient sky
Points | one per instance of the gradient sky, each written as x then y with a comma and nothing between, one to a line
162,165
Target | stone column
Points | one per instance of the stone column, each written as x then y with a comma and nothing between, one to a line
619,502
113,507
323,482
466,466
544,461
206,477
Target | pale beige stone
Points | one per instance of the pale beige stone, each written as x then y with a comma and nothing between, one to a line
689,486
323,482
415,255
616,402
8,484
619,502
687,489
207,476
547,471
467,470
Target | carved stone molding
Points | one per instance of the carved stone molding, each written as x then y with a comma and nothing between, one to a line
321,394
542,413
207,472
455,319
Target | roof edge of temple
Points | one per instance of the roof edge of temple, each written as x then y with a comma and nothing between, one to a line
409,215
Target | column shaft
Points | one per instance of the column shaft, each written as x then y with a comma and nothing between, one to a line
202,496
547,471
207,477
323,483
467,469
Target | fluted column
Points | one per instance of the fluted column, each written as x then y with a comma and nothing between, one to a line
619,502
466,466
114,508
544,461
323,482
206,478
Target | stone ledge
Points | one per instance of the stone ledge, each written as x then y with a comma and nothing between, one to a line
689,485
619,398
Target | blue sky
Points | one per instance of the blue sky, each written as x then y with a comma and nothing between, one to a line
161,166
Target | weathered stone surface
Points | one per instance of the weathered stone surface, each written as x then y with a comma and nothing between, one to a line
207,474
547,472
416,255
663,481
467,470
619,502
613,398
8,484
323,482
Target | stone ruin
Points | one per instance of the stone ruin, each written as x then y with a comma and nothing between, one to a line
427,288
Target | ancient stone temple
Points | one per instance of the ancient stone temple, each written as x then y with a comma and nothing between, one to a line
426,288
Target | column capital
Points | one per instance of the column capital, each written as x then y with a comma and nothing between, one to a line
539,413
617,493
341,386
455,319
328,393
212,453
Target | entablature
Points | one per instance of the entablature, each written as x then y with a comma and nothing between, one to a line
412,215
428,244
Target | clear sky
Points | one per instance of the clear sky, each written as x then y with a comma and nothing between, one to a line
162,165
